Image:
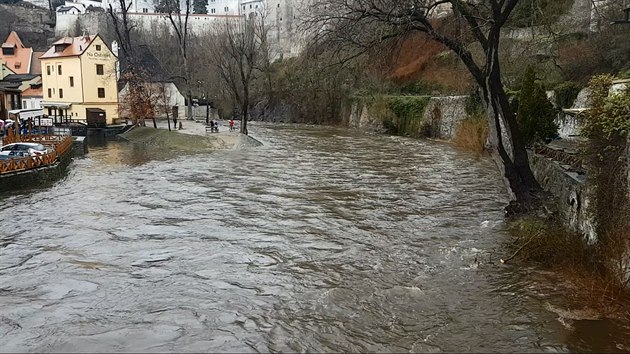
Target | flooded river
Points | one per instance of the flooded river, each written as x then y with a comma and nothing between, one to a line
321,240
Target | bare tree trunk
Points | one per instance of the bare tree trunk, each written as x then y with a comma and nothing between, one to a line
207,109
245,110
508,151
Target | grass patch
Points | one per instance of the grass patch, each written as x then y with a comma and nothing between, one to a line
471,134
165,140
581,268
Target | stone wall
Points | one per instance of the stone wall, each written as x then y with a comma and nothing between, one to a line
445,111
571,191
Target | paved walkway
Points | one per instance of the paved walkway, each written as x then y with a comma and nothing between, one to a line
195,128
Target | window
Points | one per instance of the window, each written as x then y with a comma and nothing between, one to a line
60,93
213,11
24,105
59,69
99,69
49,93
250,6
98,47
101,92
71,81
47,69
8,51
145,10
227,9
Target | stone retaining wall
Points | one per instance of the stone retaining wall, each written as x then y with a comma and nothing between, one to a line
446,111
571,191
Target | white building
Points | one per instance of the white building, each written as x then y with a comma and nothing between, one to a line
165,95
223,7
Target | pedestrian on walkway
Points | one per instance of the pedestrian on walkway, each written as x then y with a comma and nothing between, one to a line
231,124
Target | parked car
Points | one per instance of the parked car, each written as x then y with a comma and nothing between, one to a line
17,150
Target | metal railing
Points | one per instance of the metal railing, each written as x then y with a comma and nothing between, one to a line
574,161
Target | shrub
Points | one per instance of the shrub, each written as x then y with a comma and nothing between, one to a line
420,88
472,134
536,114
408,112
578,266
566,93
607,126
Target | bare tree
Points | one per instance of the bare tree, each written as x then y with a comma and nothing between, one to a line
179,22
163,102
236,53
123,27
457,24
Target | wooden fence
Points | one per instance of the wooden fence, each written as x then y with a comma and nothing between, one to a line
60,145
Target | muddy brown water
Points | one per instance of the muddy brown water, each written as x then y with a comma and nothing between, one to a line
321,240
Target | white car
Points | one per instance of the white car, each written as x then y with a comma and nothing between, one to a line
17,150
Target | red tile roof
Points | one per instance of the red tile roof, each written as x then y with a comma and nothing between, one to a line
33,92
70,47
20,61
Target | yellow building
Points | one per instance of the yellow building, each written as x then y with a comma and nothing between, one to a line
79,81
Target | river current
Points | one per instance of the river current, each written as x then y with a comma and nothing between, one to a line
323,239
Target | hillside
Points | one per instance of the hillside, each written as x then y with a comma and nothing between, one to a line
32,23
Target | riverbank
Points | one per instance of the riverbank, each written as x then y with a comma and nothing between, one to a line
191,139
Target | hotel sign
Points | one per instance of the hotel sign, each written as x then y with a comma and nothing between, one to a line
98,55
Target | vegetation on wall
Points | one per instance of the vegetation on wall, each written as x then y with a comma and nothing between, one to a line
406,116
566,93
607,126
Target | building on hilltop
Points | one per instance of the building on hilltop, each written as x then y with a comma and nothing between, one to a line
79,81
282,18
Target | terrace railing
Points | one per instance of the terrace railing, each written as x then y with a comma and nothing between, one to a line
60,145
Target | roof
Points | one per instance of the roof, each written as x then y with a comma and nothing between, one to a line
10,86
19,77
33,92
36,66
148,67
14,82
13,40
67,8
75,46
20,61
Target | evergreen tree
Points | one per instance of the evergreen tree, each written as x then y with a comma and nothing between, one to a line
167,6
535,113
200,6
